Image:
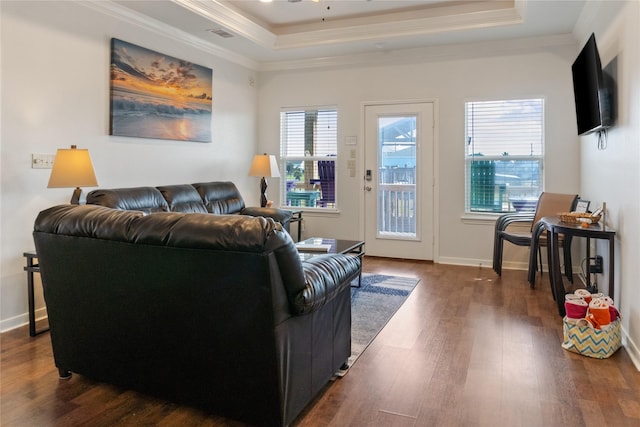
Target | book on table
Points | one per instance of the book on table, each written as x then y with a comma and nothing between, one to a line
313,247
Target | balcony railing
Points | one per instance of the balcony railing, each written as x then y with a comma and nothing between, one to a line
397,209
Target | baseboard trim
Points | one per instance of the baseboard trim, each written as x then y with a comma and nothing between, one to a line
632,349
21,320
470,262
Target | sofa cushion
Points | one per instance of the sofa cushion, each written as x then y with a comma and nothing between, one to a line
92,221
283,216
174,229
220,197
183,198
145,199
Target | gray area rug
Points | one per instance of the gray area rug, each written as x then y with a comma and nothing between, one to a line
373,305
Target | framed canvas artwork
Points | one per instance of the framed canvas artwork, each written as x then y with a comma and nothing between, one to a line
159,96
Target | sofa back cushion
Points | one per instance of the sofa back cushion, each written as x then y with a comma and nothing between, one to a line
145,199
182,198
238,233
229,233
220,197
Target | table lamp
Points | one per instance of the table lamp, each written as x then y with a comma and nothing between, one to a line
264,165
72,167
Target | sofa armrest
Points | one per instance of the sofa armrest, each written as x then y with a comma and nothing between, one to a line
282,216
325,277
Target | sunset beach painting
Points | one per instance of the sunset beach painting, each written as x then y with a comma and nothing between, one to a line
158,96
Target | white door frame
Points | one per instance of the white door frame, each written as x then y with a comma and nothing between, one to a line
436,165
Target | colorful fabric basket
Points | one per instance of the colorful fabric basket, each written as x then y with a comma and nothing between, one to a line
596,343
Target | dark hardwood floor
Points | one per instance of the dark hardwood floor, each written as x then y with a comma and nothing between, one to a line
466,349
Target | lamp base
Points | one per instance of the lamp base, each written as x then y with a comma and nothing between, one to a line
75,198
263,191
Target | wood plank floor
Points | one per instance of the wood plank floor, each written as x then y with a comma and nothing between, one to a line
466,349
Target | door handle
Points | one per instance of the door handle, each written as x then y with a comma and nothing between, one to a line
367,187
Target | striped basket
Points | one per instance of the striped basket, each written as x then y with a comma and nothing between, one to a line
590,342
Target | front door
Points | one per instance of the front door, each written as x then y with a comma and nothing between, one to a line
398,181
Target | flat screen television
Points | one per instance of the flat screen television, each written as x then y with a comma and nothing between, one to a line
592,98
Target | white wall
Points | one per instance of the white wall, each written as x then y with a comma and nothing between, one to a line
55,92
612,175
541,73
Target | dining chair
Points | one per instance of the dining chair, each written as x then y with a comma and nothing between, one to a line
535,238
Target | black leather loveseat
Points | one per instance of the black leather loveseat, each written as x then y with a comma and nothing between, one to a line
213,311
218,197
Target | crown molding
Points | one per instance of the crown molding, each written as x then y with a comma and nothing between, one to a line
430,53
409,28
402,24
228,18
127,15
428,20
474,19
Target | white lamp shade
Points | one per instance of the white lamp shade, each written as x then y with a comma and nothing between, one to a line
72,167
264,165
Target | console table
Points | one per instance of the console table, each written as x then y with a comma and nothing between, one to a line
554,227
30,268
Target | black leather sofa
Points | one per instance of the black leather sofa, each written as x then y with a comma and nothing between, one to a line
212,311
218,197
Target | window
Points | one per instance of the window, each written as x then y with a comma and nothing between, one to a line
308,154
504,155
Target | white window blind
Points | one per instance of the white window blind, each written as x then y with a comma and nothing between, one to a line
504,154
309,133
308,153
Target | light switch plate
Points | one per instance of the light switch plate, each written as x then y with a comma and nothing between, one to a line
42,161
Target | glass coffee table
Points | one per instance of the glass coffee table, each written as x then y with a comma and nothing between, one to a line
315,246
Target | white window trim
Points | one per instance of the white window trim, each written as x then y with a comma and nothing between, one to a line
315,211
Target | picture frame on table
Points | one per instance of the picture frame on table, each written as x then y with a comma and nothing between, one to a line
582,206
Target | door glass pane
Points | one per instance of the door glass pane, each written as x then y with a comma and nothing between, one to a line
397,177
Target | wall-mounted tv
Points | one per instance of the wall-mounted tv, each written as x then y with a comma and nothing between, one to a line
592,97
